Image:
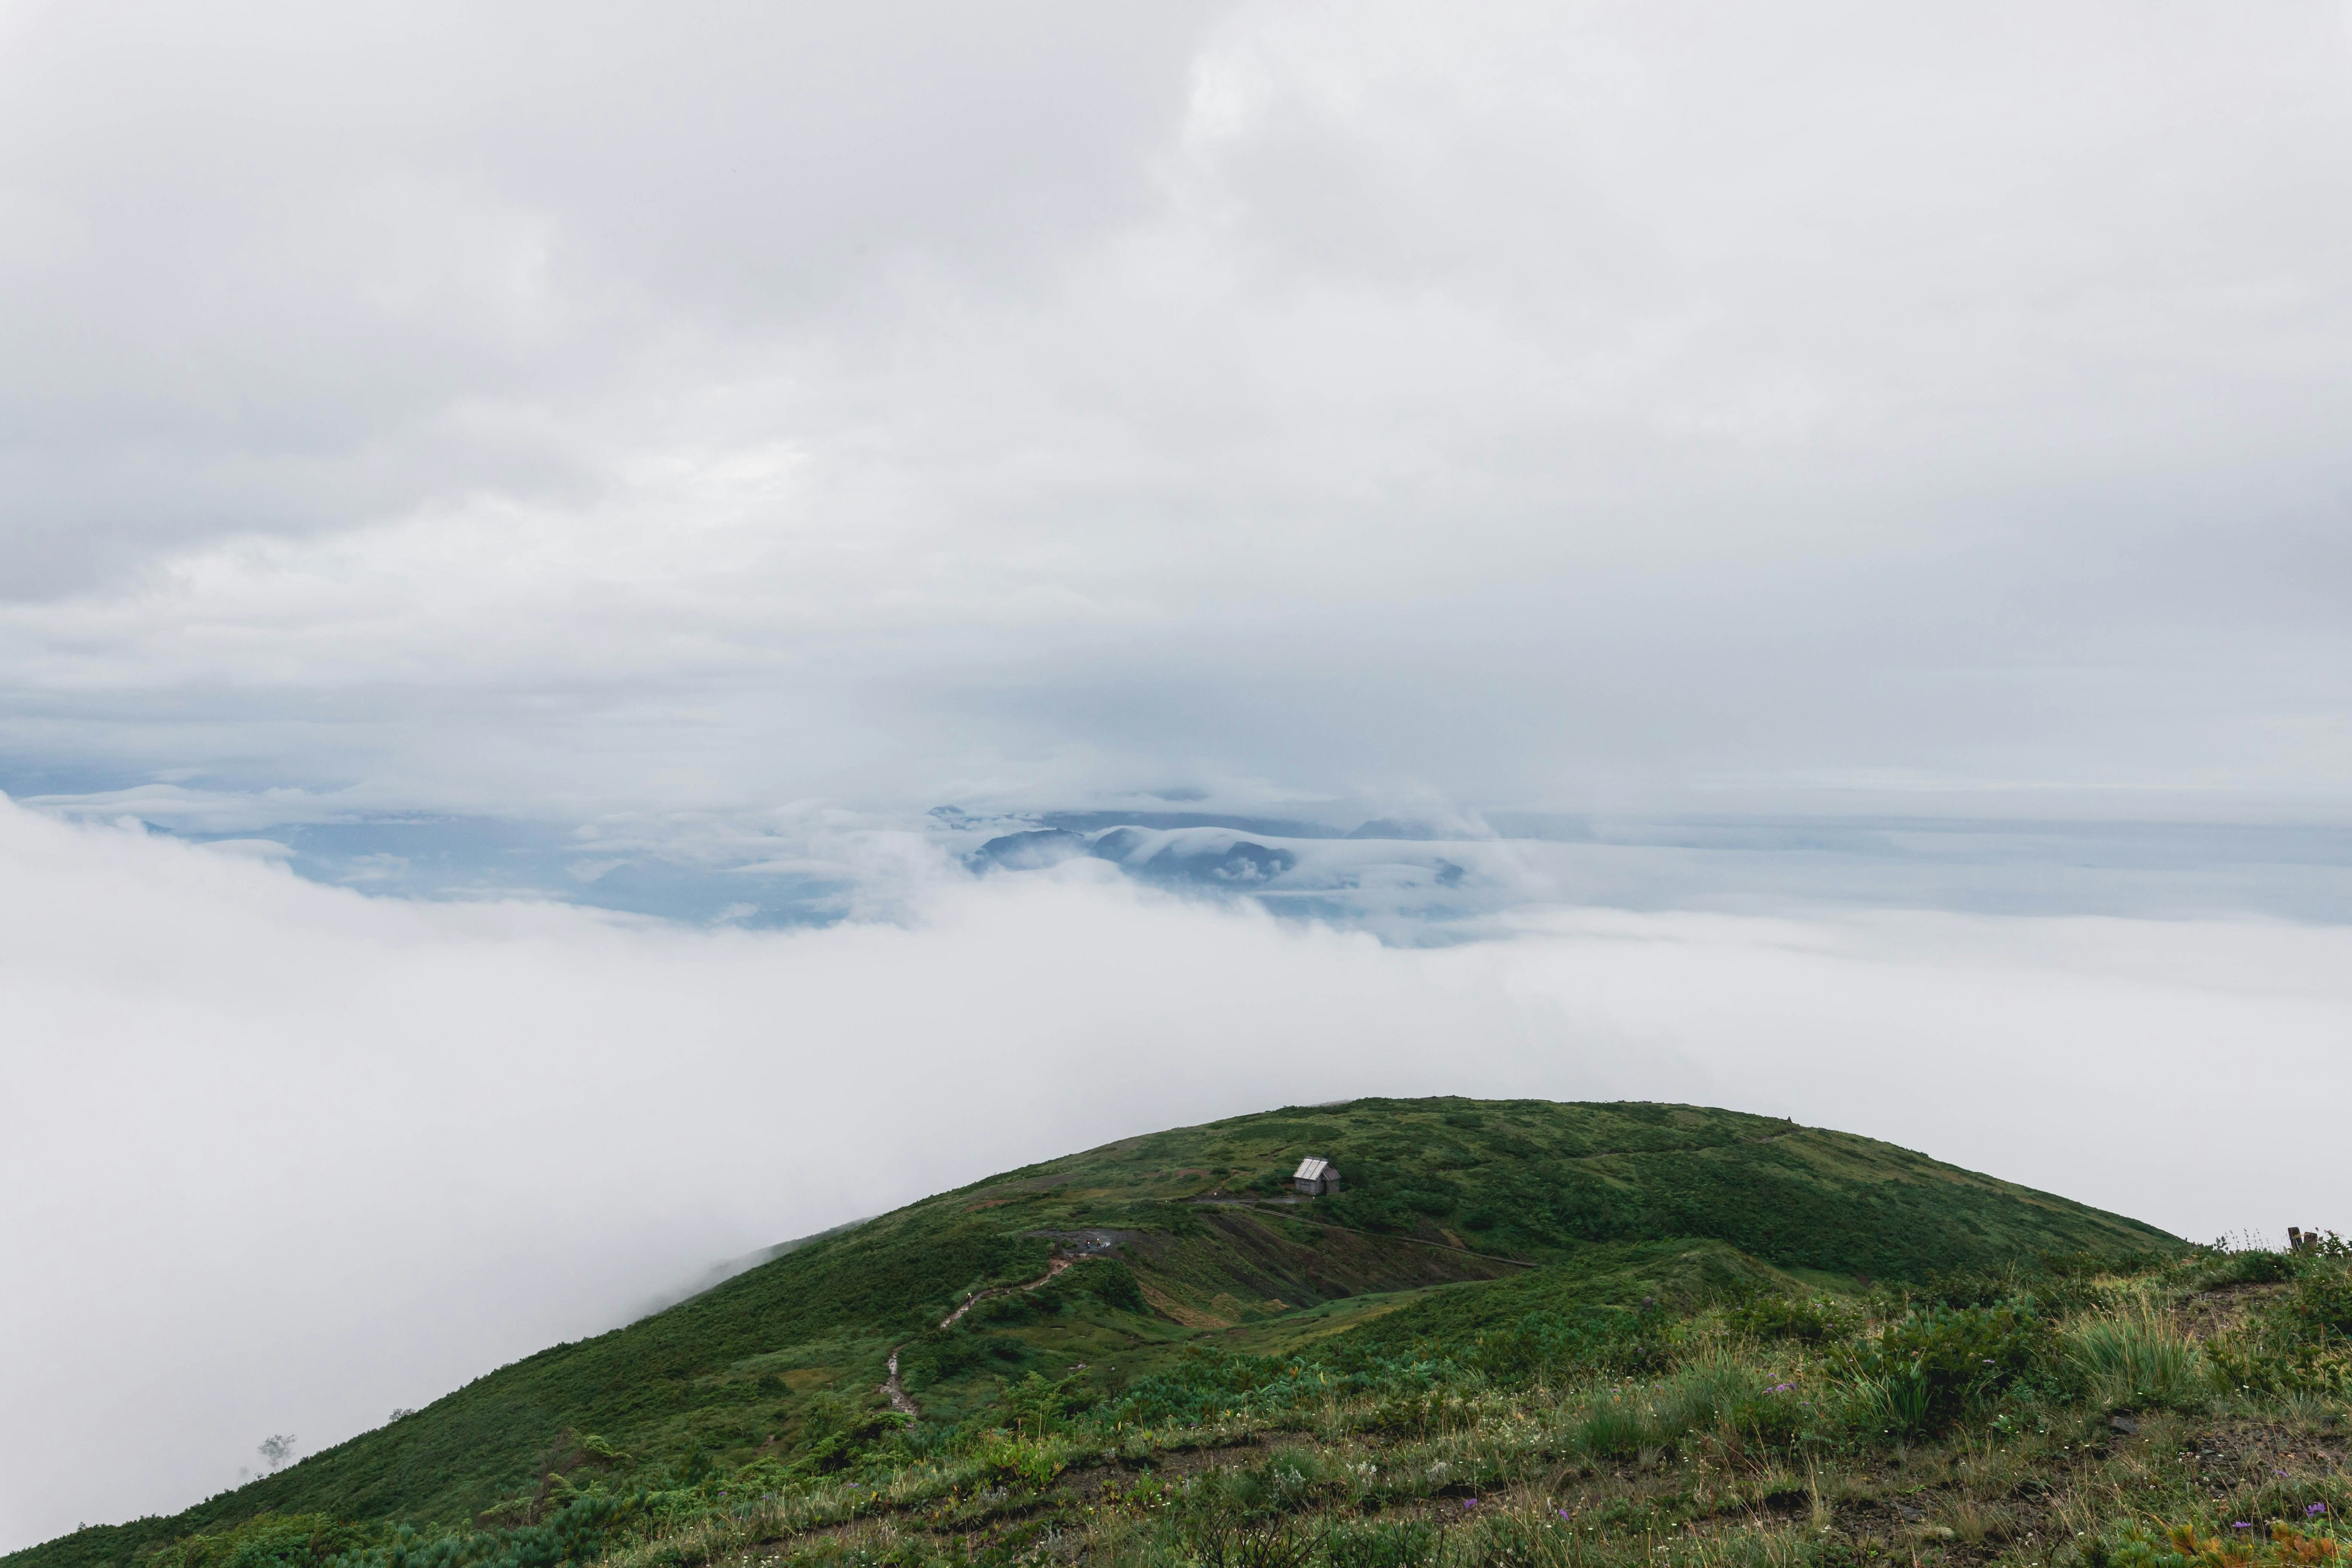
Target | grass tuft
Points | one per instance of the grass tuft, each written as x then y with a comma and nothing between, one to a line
2138,1358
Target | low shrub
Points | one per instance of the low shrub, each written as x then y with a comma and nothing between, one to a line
1559,1345
940,1354
1416,1414
837,1434
1035,1406
2188,1546
2322,1303
1382,1544
2253,1266
265,1539
1808,1321
1019,1464
577,1531
1929,1369
1230,1543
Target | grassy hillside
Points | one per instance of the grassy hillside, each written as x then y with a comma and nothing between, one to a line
1536,1179
1462,1225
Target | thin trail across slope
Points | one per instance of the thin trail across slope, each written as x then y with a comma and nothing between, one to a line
900,1402
977,1296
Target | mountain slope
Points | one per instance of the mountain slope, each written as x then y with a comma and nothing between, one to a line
1207,1242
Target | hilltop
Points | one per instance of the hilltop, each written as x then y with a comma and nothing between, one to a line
1151,1259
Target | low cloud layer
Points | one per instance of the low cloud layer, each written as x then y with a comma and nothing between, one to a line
287,1157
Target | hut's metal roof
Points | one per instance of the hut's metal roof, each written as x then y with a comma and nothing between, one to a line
1310,1170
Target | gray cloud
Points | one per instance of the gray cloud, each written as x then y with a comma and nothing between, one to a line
1547,407
279,272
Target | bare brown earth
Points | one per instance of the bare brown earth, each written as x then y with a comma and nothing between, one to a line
1250,1266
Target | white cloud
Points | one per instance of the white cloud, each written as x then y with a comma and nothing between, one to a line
177,806
252,848
365,1148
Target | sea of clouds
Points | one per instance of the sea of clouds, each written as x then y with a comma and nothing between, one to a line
284,1157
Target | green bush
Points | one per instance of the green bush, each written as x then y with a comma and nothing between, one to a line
578,1532
1935,1366
263,1540
1214,1543
1365,1212
940,1354
2296,1343
2255,1268
1382,1544
1106,1280
2322,1303
1779,1317
1019,1464
1411,1415
1035,1406
836,1434
1546,1344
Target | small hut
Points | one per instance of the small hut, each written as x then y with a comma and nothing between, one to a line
1315,1177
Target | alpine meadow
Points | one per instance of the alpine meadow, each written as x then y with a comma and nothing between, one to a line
1519,1332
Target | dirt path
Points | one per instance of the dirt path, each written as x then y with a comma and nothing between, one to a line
977,1296
904,1405
898,1400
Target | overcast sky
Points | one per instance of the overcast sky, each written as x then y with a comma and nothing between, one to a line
1820,517
554,413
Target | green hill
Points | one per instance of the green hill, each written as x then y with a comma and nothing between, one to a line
1455,1217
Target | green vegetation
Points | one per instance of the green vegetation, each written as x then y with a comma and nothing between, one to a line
1515,1302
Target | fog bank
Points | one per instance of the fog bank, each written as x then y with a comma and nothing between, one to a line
285,1157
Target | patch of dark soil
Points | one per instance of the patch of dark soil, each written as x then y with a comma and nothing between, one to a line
1097,1241
1193,1461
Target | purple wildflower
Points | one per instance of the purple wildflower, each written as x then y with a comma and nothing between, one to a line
2239,1524
2317,1508
1565,1514
1469,1502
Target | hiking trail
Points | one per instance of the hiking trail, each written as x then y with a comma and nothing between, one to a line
904,1405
